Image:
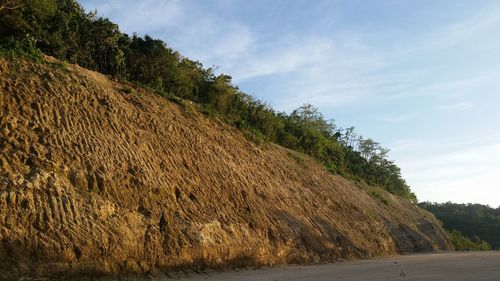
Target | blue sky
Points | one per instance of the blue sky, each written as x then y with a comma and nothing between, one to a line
421,77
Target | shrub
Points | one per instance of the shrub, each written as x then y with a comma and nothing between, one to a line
12,47
380,197
464,243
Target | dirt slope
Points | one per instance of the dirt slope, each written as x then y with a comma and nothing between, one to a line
95,178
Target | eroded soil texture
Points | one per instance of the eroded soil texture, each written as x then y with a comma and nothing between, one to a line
100,177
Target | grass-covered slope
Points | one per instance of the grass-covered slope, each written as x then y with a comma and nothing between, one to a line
97,176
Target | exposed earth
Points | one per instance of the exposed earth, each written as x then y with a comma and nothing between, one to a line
98,177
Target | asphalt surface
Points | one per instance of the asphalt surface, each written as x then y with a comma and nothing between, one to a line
474,266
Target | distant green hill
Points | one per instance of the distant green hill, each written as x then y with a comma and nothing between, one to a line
472,220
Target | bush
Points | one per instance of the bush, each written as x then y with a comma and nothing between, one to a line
12,47
380,197
464,243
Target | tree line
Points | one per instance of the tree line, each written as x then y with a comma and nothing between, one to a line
62,28
474,221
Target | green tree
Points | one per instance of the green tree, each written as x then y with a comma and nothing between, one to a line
470,219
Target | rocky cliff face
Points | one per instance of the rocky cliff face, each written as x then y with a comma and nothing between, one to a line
99,178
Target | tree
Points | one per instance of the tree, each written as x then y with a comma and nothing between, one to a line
310,118
106,50
367,148
23,20
348,136
472,220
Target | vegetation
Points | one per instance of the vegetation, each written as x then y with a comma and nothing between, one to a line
61,28
380,197
473,220
464,243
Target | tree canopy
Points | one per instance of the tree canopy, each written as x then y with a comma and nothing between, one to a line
473,220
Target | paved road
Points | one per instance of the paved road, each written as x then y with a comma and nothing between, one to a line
453,266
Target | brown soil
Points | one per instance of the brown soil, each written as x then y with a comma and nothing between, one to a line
96,178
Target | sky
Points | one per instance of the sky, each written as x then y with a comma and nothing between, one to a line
420,77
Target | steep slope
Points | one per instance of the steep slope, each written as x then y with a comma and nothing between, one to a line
97,178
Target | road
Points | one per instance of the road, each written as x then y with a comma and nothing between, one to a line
457,266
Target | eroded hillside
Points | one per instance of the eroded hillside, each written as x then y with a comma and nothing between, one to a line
97,177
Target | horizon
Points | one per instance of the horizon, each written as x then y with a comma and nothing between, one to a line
419,81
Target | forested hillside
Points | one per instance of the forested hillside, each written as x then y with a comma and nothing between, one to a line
475,221
61,28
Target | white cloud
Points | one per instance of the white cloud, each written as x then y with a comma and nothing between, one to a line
184,26
146,16
400,118
291,55
214,42
324,71
479,24
457,86
459,106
